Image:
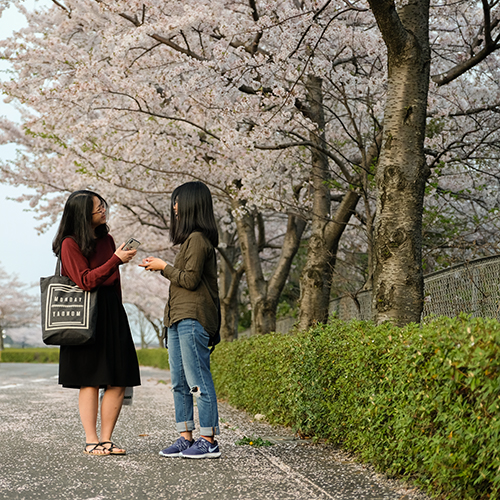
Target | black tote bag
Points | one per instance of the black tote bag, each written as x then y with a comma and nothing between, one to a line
69,314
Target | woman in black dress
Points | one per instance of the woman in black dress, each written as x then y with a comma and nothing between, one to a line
89,258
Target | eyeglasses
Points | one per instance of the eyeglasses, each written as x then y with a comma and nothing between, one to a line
100,210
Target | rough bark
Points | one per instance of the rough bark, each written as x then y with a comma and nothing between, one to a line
230,309
402,171
316,278
264,295
293,236
229,280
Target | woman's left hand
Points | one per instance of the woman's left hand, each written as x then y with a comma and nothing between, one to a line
153,264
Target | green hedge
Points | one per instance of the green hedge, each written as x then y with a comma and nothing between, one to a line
147,357
420,402
158,358
30,355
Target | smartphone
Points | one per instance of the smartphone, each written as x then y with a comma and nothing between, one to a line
132,244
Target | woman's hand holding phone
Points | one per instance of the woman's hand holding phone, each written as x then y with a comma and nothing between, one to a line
125,255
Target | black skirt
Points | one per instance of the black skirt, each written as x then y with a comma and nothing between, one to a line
112,359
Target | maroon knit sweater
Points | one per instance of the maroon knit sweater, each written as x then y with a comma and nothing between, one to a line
101,269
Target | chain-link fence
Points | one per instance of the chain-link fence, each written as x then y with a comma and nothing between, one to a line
357,306
472,287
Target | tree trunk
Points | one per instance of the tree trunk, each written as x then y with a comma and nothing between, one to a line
160,334
263,319
264,296
291,244
229,310
158,328
316,278
315,281
402,171
229,280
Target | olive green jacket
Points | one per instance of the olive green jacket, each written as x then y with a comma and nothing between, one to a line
193,284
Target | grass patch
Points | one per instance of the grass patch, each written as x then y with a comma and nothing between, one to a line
253,441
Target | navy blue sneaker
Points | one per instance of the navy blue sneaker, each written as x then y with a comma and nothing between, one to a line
177,448
202,449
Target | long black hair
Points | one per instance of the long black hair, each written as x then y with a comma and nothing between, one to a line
76,221
195,212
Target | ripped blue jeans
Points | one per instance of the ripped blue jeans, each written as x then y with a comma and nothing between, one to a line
189,359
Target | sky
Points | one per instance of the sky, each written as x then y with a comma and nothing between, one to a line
22,250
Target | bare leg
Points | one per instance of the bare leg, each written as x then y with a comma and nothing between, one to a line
88,404
187,435
110,409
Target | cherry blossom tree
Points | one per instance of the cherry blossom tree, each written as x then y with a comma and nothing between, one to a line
18,308
284,109
403,170
212,108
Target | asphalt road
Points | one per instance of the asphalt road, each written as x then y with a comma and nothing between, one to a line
41,452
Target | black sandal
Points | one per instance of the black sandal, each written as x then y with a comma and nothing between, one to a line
112,448
94,448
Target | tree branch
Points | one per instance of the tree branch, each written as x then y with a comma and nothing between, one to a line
469,112
490,45
161,39
133,20
393,32
176,47
63,7
460,69
253,6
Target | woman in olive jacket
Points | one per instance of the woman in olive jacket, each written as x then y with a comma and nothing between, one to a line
192,318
